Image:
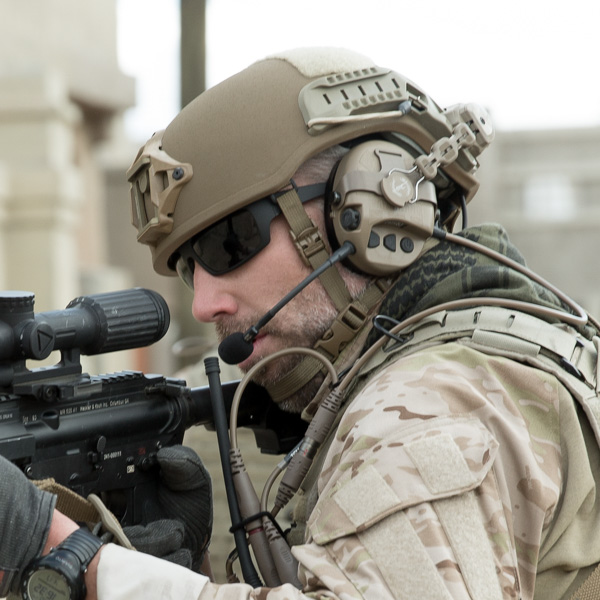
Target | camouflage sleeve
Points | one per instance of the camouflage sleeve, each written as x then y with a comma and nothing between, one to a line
410,518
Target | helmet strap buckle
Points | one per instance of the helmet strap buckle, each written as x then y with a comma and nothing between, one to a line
309,243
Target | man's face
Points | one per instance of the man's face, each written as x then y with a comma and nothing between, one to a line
238,299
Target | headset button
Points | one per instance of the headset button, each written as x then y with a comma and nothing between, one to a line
407,245
389,241
374,240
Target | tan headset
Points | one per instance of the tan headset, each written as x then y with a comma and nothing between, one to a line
382,195
379,201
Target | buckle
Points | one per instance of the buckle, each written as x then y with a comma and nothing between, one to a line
309,242
343,330
445,151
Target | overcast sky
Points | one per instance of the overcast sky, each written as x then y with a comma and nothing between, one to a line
533,63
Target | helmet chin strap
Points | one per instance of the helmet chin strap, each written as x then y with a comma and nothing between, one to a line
352,314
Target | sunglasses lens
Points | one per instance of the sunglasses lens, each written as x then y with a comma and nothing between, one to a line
185,269
235,239
228,243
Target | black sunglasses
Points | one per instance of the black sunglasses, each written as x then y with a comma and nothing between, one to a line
235,239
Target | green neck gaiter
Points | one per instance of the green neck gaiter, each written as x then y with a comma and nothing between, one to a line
449,272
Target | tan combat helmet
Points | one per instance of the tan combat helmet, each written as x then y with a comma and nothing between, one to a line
245,138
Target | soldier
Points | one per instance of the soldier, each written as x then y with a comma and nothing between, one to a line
451,393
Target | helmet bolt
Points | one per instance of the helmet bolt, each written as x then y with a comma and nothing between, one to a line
350,219
407,245
177,173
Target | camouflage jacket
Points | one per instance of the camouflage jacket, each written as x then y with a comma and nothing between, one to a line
455,472
452,474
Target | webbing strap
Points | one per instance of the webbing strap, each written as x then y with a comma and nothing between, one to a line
91,510
350,320
590,588
293,380
511,331
352,314
68,502
347,325
500,320
311,246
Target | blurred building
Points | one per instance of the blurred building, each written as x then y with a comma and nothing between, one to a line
62,99
544,187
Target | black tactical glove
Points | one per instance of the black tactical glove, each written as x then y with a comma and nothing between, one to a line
25,517
181,533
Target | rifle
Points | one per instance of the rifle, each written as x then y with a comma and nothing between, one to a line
100,434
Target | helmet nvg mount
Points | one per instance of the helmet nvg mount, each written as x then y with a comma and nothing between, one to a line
246,137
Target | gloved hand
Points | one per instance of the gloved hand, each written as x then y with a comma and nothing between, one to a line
182,532
25,517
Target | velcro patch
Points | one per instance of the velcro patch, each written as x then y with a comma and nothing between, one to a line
365,497
441,464
437,459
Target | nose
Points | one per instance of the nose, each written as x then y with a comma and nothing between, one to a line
213,297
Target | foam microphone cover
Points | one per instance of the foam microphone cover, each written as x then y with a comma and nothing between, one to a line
234,348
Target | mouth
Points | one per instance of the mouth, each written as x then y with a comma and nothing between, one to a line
256,345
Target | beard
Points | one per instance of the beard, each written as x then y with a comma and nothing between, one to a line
301,323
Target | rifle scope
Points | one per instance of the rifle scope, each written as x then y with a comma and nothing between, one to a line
92,324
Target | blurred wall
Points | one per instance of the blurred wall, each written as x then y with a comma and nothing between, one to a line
62,99
544,187
60,91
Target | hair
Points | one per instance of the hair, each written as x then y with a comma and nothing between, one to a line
319,167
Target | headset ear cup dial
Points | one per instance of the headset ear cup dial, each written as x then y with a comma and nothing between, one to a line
379,202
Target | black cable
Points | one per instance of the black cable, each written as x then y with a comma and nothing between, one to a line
379,326
463,208
212,369
258,515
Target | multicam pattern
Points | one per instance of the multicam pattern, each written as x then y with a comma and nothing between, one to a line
496,474
453,474
444,479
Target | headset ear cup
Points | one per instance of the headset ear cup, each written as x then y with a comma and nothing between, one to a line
378,201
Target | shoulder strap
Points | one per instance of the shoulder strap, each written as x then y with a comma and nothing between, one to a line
590,588
554,348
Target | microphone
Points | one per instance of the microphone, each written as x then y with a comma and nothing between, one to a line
237,347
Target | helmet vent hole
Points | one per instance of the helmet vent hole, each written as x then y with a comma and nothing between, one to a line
326,98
